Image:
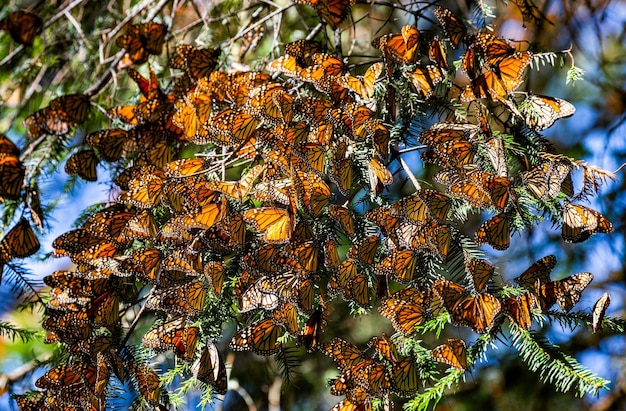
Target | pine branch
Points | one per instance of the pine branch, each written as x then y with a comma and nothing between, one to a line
432,395
555,367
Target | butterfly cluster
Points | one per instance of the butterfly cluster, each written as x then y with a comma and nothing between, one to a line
282,215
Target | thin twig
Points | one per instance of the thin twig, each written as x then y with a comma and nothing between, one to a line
258,23
409,174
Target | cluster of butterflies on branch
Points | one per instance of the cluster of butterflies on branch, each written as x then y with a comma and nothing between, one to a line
283,242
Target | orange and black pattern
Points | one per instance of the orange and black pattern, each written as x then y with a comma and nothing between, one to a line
269,196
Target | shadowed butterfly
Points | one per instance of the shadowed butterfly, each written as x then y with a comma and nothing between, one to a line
23,26
520,309
83,164
480,272
19,242
496,232
539,271
332,12
476,311
210,369
454,29
141,40
597,313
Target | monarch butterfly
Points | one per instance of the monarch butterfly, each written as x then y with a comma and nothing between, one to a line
546,180
497,84
481,272
314,192
111,144
311,333
92,345
597,313
343,353
454,29
431,237
68,325
145,263
104,309
453,352
176,335
401,47
540,112
384,347
482,189
61,114
421,205
332,12
265,294
8,147
405,377
364,250
379,175
340,278
363,86
425,79
302,50
287,315
477,311
187,299
306,254
191,114
237,190
210,368
491,48
19,242
357,290
196,62
580,222
185,167
269,102
450,154
69,375
229,127
496,232
343,217
538,271
141,40
405,309
12,173
75,242
342,174
437,54
399,265
276,223
83,164
144,192
304,296
260,337
23,26
566,292
520,309
146,380
141,226
76,284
